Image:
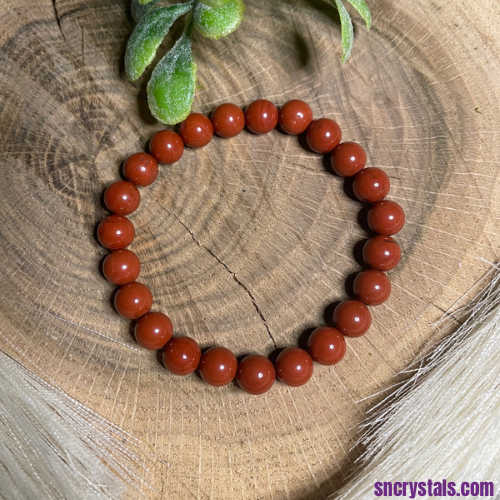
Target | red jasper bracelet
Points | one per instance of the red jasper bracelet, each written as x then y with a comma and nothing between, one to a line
218,366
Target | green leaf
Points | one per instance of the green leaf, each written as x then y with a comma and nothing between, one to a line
363,11
148,35
346,29
140,10
172,85
216,22
144,2
214,3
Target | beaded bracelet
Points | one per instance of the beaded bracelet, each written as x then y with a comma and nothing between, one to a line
218,366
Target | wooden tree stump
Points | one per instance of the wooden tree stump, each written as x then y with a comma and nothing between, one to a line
248,242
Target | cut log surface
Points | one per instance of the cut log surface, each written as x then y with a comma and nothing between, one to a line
248,242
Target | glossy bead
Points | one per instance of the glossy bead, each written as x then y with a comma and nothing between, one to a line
326,345
196,130
153,330
115,231
132,300
228,120
218,366
372,287
382,253
371,185
295,116
386,217
182,355
166,146
255,374
261,116
348,159
352,318
294,366
122,198
323,135
121,266
140,169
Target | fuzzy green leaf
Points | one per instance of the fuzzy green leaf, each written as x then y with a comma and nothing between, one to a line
346,29
214,3
216,22
139,10
148,35
172,85
363,11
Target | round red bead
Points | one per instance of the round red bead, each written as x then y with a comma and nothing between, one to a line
255,374
352,318
348,159
382,253
115,231
295,116
323,135
372,287
121,266
132,300
261,116
181,355
140,169
196,130
386,217
228,120
166,146
122,198
326,345
218,366
371,185
153,330
294,366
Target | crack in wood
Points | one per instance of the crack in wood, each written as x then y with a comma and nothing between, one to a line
58,19
448,314
232,273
